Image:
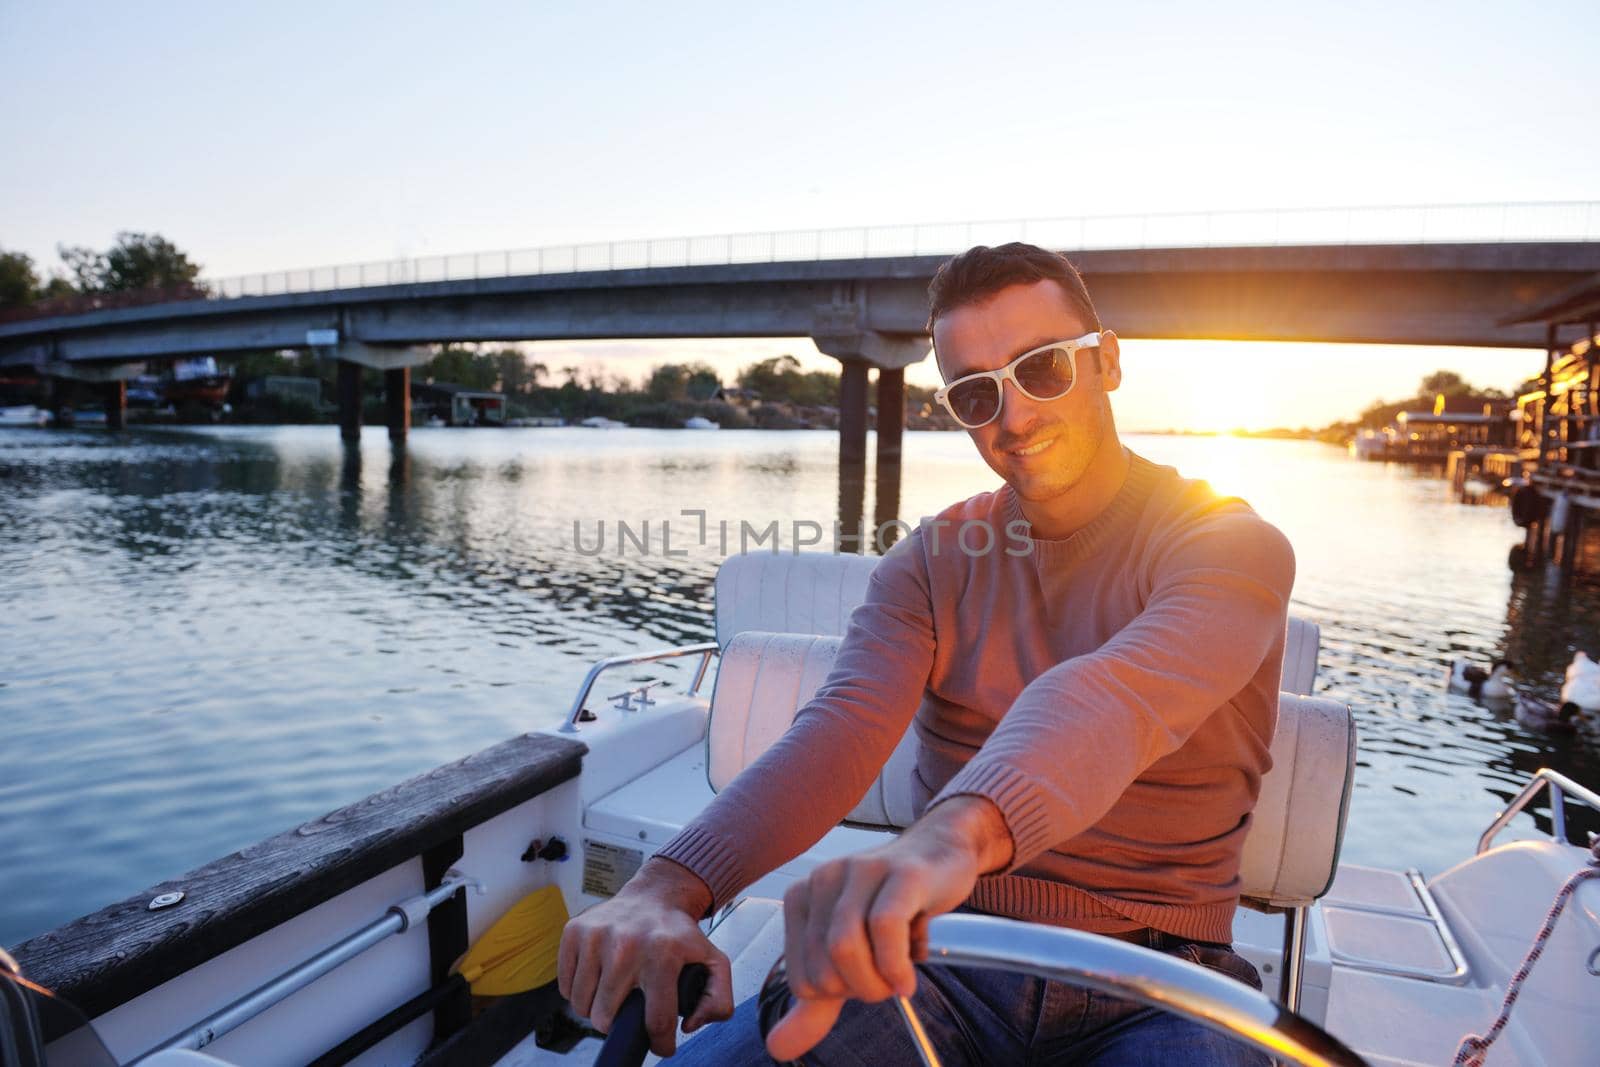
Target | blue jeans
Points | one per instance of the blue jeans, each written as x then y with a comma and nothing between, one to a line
983,1017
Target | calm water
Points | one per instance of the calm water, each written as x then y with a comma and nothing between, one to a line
211,636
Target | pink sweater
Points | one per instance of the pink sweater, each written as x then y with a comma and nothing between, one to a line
1113,693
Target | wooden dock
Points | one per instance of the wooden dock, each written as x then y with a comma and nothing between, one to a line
1559,433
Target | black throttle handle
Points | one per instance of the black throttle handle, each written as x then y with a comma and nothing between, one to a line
629,1042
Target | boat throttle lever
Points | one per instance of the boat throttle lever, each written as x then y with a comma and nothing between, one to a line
629,1042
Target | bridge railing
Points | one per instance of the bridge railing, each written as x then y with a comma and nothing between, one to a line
1577,220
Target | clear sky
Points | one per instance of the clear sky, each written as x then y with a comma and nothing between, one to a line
271,136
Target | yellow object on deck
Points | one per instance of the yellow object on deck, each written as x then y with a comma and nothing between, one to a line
518,952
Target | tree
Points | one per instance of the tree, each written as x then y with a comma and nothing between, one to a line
703,381
668,381
459,365
19,284
516,376
137,261
1447,382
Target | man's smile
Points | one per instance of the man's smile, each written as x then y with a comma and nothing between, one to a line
1030,450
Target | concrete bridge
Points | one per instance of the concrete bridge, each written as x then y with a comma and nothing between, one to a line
1427,276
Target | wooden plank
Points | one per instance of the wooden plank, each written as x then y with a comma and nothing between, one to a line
110,957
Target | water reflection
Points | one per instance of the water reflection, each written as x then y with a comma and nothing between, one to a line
274,618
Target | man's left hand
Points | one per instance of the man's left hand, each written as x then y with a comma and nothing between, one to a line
853,927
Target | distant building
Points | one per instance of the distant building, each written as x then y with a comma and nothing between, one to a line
306,391
1456,423
457,405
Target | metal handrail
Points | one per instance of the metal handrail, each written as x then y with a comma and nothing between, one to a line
397,920
1432,224
1560,787
705,650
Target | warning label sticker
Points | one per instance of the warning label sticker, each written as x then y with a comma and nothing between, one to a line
606,867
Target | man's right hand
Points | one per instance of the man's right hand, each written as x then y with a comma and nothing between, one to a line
642,938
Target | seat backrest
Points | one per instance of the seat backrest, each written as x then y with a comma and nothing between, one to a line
789,592
815,592
763,680
1297,827
1301,647
1290,851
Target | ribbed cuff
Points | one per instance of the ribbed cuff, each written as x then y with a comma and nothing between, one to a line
1021,805
709,858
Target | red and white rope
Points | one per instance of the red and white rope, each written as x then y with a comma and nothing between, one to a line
1474,1047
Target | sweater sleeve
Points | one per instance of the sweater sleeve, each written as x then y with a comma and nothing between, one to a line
1080,733
821,767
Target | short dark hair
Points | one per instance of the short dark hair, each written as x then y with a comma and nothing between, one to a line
981,272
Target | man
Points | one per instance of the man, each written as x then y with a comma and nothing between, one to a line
1093,715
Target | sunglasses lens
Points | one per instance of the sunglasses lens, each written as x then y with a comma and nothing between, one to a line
1046,375
975,402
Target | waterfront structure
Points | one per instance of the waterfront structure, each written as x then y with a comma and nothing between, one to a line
304,391
458,405
1465,424
1468,426
1560,428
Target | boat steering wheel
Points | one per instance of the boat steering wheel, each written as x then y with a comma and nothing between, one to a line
1103,964
1130,972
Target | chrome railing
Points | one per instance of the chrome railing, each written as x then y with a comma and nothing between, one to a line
1126,971
1575,220
705,650
397,920
1561,787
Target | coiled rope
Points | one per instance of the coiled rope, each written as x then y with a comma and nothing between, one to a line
1474,1047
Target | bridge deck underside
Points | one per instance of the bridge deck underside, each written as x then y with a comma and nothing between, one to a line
1442,295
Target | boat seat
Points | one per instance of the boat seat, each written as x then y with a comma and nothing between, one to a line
790,592
815,592
1292,846
763,680
1301,647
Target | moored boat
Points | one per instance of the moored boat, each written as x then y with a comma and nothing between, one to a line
333,943
24,415
197,381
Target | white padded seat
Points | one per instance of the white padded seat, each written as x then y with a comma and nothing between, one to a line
1297,827
763,679
1301,647
815,592
1290,851
789,592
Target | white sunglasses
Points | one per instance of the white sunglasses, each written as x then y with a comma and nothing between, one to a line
1045,373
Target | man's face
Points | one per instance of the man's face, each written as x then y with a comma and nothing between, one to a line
1041,448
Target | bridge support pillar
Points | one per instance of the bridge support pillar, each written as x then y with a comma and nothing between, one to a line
115,395
891,430
397,403
109,381
349,394
837,333
354,356
853,414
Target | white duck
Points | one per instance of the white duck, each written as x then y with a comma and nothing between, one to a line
1545,716
1491,684
1583,683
